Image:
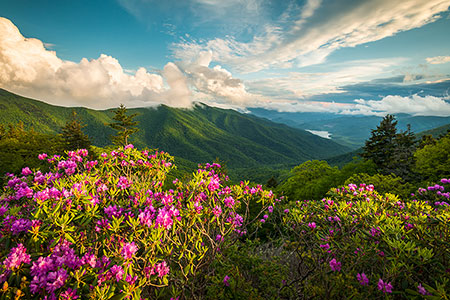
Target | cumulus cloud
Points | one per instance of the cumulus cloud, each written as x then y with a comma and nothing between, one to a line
318,31
28,68
438,60
415,105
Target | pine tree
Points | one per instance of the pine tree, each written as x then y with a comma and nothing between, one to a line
73,136
380,146
402,160
392,152
124,125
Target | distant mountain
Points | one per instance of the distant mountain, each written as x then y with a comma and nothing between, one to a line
435,132
201,134
348,130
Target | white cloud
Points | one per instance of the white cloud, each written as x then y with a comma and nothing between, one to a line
303,85
318,31
28,68
415,105
438,60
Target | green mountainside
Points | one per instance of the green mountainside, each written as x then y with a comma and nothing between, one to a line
201,134
435,132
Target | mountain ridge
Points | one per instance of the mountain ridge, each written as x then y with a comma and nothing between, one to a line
200,134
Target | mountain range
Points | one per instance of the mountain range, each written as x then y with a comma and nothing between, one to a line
199,135
349,130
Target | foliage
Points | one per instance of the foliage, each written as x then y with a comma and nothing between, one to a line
433,161
19,148
384,183
313,179
310,180
359,244
73,135
124,125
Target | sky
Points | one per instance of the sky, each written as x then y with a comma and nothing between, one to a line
365,57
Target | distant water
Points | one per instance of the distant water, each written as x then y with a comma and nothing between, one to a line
324,134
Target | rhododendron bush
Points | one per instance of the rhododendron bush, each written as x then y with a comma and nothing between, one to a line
356,243
111,229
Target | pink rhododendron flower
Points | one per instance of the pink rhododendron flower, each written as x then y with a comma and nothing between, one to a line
422,290
16,257
128,250
362,278
335,265
162,269
384,287
225,280
229,202
117,272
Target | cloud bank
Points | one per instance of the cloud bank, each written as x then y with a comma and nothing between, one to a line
438,60
28,68
414,105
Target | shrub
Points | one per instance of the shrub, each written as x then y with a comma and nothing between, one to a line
356,243
109,229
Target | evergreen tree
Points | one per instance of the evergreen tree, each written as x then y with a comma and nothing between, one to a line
381,145
402,160
124,125
392,152
73,135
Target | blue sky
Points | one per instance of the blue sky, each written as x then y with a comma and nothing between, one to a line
350,57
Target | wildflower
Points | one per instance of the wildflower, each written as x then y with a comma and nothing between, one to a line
42,156
69,294
384,287
335,265
117,272
217,211
312,225
128,250
325,246
26,171
362,278
20,225
162,269
123,183
229,202
225,280
270,209
16,257
422,290
55,280
286,211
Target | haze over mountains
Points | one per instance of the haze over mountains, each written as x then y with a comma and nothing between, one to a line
349,130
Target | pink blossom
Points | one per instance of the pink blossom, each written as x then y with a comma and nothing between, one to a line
117,272
422,290
162,269
362,278
312,225
128,250
16,257
225,280
384,287
335,265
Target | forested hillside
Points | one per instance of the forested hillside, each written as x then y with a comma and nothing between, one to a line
198,135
